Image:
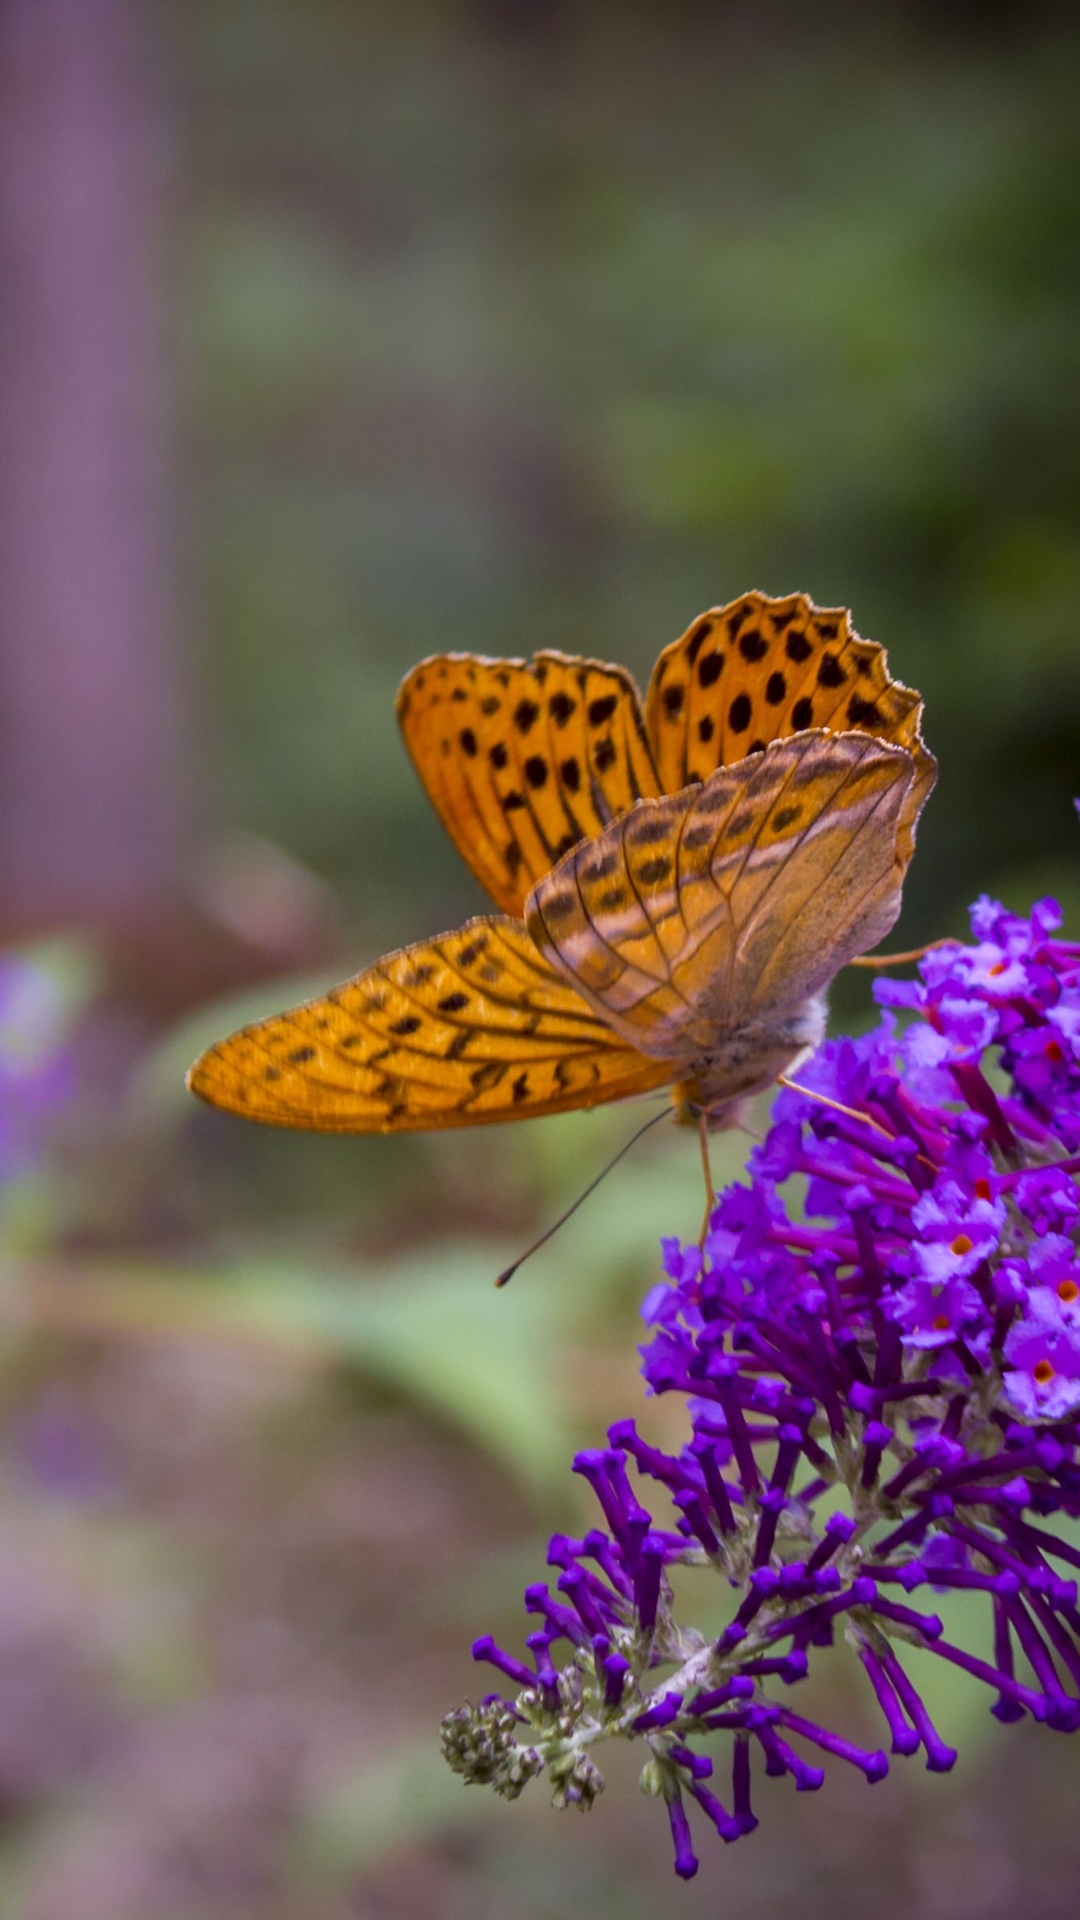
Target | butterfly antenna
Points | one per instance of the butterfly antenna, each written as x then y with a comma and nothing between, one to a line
509,1272
900,959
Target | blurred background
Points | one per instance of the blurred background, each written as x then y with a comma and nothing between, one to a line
332,333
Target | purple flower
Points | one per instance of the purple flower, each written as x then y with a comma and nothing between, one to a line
1043,1350
933,1312
882,1394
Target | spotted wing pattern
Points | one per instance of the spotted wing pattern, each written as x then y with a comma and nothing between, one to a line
761,669
522,760
733,901
468,1028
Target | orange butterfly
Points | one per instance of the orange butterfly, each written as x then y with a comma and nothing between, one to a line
678,887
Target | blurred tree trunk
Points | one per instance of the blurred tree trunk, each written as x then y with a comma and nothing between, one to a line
97,793
92,802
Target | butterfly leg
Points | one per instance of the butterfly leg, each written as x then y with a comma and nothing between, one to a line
823,1099
710,1190
900,959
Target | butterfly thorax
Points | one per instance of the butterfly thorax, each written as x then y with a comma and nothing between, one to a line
746,1062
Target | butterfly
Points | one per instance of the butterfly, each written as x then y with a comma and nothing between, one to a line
677,886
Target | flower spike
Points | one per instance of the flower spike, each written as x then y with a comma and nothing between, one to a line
882,1389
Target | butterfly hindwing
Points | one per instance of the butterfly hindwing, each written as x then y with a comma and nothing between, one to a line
472,1027
701,912
522,760
761,669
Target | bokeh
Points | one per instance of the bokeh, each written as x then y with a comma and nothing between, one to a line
333,333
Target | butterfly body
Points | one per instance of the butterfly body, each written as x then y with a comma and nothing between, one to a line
650,936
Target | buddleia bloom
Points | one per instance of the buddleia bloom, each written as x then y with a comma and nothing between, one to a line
878,1350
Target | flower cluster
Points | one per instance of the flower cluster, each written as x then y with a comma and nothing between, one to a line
878,1342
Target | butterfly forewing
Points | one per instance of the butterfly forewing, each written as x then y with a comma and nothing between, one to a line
472,1027
761,670
522,760
706,909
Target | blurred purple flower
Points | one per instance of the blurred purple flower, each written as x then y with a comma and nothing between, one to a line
36,1077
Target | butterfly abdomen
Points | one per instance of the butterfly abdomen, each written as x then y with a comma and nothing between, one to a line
746,1062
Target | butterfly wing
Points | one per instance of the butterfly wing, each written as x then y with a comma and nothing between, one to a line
732,902
521,760
761,669
470,1028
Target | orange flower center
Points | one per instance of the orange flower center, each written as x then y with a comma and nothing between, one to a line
941,1324
1000,968
1053,1051
961,1244
1068,1290
1043,1372
982,1189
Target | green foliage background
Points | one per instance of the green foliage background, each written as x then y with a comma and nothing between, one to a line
548,325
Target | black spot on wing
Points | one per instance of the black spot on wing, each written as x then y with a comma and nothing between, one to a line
604,756
706,728
472,951
830,673
559,905
709,668
798,648
776,690
561,706
570,775
863,713
498,756
753,644
453,1002
698,836
697,640
408,1023
802,713
646,832
488,1075
673,700
602,709
525,715
536,770
467,742
651,872
739,713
